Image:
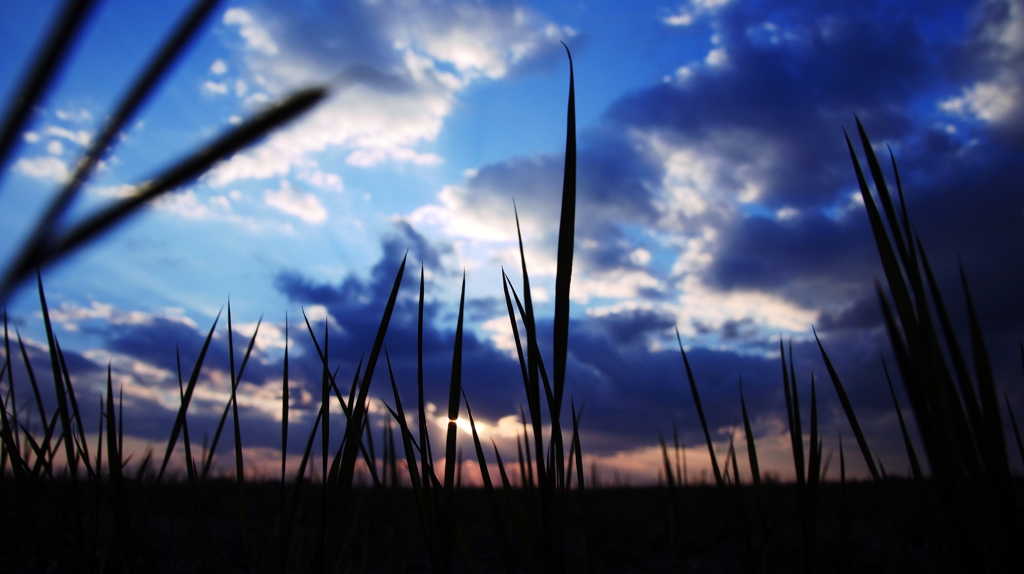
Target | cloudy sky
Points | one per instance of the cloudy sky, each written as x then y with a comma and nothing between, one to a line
716,196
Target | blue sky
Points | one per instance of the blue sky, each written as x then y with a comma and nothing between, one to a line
716,196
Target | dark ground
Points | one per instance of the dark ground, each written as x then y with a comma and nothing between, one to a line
629,529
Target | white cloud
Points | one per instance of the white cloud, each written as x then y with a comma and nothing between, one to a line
183,203
69,315
318,313
256,37
54,148
991,102
218,67
699,304
305,206
210,87
717,57
386,101
688,13
43,167
31,137
80,137
77,116
323,179
640,256
787,213
615,284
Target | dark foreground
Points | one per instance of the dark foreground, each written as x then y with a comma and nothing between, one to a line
692,529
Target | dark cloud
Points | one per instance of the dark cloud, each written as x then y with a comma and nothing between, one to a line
773,115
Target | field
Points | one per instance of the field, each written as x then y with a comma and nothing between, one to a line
74,503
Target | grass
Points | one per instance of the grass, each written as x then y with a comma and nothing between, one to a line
71,506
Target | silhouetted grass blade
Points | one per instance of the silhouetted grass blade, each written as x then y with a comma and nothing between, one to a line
492,498
566,232
179,420
700,413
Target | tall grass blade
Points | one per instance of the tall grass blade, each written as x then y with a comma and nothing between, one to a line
700,413
81,445
755,467
450,463
915,465
993,443
235,379
426,460
179,420
58,382
566,231
848,409
492,499
283,543
31,377
420,492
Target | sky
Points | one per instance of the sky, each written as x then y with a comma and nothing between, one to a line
716,196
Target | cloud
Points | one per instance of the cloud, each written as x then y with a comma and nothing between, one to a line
218,67
688,13
80,137
397,69
215,88
256,37
305,206
44,167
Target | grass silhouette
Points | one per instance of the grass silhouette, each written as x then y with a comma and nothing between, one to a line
69,507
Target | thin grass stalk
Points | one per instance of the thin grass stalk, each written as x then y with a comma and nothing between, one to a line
10,438
420,492
140,91
866,453
9,360
700,413
492,499
915,465
755,470
532,356
236,378
174,177
354,429
41,73
450,463
60,390
199,515
673,503
844,522
179,420
426,459
283,543
526,544
31,376
1016,431
122,528
746,539
81,446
